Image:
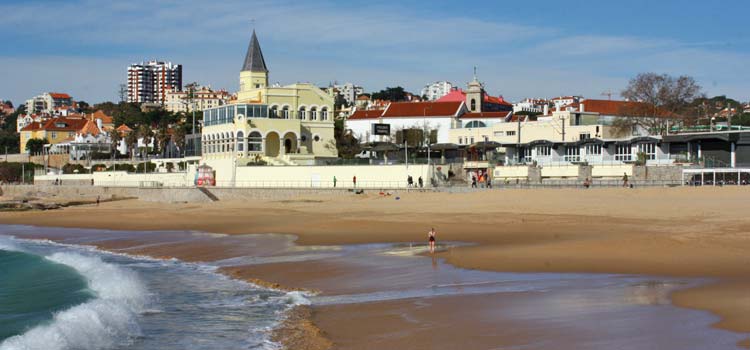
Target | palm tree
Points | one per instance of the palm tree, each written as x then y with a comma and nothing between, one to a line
131,140
115,139
162,139
145,134
178,138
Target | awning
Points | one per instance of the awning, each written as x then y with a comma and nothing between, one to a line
443,146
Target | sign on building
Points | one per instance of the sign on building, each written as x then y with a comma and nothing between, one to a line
381,129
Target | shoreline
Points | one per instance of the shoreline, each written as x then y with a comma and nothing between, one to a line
644,242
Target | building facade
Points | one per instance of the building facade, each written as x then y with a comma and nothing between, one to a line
436,90
48,103
203,98
148,82
349,92
286,125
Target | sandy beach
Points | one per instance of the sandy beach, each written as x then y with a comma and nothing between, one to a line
678,232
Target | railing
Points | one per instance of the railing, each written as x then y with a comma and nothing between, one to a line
327,184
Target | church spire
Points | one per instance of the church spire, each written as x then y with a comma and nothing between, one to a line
254,61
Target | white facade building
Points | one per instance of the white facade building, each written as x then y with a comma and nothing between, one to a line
531,105
436,90
148,82
204,97
350,92
48,102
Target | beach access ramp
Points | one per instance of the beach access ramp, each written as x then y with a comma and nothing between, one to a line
208,194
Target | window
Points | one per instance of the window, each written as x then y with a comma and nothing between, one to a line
473,105
316,138
285,112
622,152
301,113
594,150
254,142
54,135
274,112
572,154
240,141
510,133
527,155
584,136
649,149
460,140
313,113
324,114
476,124
472,139
543,151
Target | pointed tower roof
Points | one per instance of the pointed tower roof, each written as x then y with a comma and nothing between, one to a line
254,61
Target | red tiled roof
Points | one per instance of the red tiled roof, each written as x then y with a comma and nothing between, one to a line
90,128
32,126
457,95
422,109
366,114
101,115
59,95
64,124
482,115
123,129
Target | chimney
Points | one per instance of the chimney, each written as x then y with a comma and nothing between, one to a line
546,109
583,109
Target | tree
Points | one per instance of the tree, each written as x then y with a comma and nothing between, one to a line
178,138
162,139
115,140
9,142
394,94
656,101
131,140
36,146
346,145
145,134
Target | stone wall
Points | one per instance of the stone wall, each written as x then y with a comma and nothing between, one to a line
658,173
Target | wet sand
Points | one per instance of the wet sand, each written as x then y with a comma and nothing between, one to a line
684,232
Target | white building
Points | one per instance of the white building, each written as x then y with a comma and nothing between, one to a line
204,97
531,105
148,82
349,91
565,100
48,102
436,90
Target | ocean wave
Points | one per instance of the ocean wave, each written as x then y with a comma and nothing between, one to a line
104,322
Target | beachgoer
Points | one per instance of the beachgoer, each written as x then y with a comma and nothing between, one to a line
334,181
421,182
624,179
410,181
473,182
587,182
354,180
97,200
431,238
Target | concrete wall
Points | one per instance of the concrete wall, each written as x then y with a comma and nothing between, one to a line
560,171
613,171
658,173
511,172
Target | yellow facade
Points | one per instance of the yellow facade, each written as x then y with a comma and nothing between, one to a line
53,137
286,125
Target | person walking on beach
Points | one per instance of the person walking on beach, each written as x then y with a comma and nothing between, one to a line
410,181
334,182
421,182
431,238
97,200
624,179
473,181
354,180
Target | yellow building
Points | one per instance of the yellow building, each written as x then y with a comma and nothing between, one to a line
286,125
56,130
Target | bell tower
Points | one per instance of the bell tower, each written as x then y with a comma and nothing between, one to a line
474,94
254,74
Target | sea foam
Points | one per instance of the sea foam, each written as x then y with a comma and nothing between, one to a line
108,320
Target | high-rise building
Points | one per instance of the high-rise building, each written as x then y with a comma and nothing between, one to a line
148,82
349,91
436,90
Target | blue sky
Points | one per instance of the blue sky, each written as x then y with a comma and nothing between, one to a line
522,49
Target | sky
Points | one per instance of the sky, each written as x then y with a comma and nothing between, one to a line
539,48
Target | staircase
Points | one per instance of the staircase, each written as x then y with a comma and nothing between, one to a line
208,194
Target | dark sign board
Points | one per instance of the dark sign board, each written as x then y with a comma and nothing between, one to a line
381,129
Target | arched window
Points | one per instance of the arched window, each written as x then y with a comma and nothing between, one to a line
473,105
274,113
313,113
223,142
476,124
324,113
240,141
230,141
285,112
301,113
254,142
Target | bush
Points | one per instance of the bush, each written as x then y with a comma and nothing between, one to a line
257,163
150,167
122,167
12,172
641,158
74,169
170,167
182,166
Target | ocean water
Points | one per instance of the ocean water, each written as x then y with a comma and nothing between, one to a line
57,297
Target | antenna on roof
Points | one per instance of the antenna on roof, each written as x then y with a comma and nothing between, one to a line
608,93
475,73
